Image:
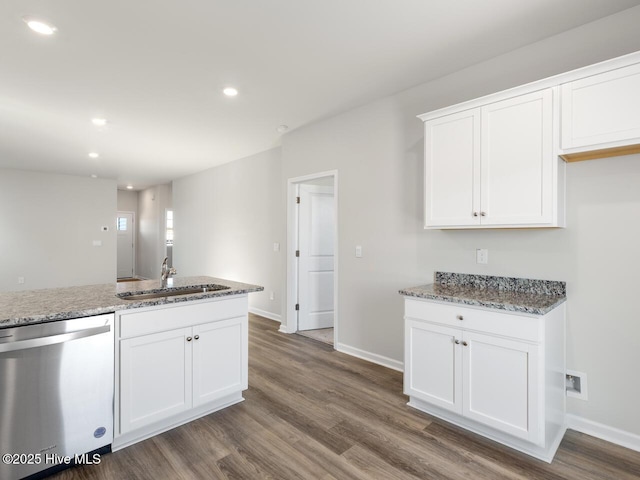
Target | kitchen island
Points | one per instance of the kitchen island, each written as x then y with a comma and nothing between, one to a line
52,304
175,350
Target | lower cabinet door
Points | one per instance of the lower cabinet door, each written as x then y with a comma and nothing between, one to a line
433,364
220,352
501,385
155,377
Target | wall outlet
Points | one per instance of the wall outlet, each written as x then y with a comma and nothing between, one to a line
482,256
276,247
576,384
97,243
20,280
272,296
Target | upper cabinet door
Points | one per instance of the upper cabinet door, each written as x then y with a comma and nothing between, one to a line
602,110
452,170
494,166
517,161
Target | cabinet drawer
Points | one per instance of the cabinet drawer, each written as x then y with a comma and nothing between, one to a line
485,321
169,317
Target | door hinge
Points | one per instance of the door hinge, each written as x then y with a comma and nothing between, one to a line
297,253
297,306
297,199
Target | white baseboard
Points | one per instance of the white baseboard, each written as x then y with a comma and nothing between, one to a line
371,357
263,313
604,432
285,329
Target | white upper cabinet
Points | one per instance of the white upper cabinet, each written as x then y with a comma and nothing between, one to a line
452,169
494,166
601,111
496,161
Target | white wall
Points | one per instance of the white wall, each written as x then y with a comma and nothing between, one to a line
127,201
151,245
227,219
226,222
49,223
378,151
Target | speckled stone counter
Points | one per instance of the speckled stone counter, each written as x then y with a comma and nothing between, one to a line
524,295
52,304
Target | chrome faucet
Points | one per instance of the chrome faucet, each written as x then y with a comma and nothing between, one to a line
165,271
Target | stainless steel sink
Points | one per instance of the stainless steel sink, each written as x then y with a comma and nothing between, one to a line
172,293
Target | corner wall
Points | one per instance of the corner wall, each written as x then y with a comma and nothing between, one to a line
151,241
49,223
226,222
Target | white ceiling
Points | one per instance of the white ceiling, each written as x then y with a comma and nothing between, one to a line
155,69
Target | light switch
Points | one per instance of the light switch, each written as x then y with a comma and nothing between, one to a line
358,251
97,243
276,247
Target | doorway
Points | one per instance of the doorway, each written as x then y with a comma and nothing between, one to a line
126,244
312,260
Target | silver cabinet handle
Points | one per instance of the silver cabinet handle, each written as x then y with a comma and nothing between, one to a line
456,341
483,214
188,339
459,317
465,343
475,214
197,337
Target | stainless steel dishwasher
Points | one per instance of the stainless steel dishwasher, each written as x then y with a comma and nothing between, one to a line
56,394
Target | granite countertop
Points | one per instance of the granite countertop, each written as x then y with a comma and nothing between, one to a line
523,295
52,304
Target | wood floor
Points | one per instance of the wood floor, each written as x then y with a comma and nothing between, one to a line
314,413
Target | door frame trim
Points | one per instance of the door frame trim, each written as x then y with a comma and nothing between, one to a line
290,324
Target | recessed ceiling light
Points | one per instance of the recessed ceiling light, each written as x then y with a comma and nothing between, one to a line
39,26
99,122
282,128
94,154
129,187
93,175
230,92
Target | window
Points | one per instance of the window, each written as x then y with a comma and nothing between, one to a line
169,228
122,224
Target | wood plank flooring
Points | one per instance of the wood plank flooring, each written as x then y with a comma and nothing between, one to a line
314,413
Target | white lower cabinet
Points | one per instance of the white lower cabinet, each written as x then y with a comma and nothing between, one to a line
155,378
497,374
192,361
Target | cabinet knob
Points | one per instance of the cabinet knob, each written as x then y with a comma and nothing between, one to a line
483,214
188,339
197,337
457,342
475,214
465,343
459,317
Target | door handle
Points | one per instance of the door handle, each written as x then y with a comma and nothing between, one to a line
52,339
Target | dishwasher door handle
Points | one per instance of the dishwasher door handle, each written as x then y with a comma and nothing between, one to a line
52,339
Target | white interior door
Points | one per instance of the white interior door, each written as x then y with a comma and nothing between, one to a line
315,267
124,227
